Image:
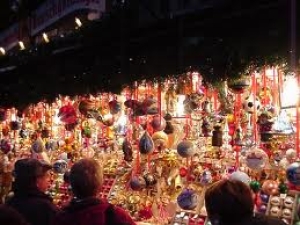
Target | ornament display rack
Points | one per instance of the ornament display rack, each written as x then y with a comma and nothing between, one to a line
163,143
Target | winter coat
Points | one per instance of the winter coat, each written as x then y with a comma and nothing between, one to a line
36,207
258,219
92,211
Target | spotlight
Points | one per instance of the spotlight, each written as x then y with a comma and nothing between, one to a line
22,46
2,50
78,22
45,37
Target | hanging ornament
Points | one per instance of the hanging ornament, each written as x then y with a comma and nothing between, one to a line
150,179
185,149
15,125
127,150
51,145
85,106
146,144
114,107
239,86
187,199
169,129
137,183
256,158
158,123
60,166
38,146
217,137
183,171
250,105
293,173
160,140
5,146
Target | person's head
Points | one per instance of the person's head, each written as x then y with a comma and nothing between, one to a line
9,216
86,178
228,202
32,173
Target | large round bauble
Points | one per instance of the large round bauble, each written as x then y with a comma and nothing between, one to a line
293,173
137,183
60,166
67,114
250,105
187,199
270,187
256,158
241,176
185,149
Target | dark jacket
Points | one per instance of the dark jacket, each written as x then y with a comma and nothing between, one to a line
260,219
92,211
36,207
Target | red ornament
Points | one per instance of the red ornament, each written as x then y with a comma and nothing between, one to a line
183,171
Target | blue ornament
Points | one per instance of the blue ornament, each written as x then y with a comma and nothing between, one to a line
264,197
146,144
293,173
187,199
137,183
185,149
60,166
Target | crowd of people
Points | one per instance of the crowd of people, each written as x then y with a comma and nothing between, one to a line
228,202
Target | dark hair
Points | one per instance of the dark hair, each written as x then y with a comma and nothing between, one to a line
27,171
86,178
229,202
9,216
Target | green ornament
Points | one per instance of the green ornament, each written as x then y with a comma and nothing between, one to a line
87,132
254,185
282,188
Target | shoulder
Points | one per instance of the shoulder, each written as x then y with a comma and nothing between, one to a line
267,220
120,215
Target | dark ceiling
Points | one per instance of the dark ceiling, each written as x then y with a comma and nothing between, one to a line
13,10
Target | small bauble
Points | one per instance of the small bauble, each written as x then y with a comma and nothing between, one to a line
270,187
60,166
51,145
275,201
5,146
137,183
150,179
291,155
264,197
158,123
187,199
38,146
289,202
293,173
183,171
275,211
287,213
185,149
255,186
262,208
